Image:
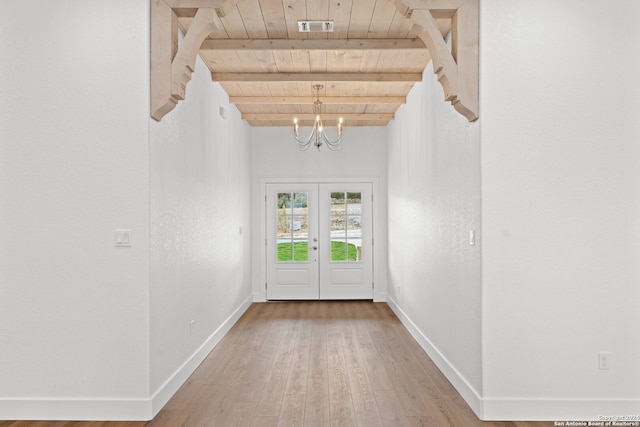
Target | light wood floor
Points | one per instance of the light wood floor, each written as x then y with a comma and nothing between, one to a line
312,364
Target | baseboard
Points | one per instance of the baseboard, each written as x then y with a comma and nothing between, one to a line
76,409
468,393
562,410
169,388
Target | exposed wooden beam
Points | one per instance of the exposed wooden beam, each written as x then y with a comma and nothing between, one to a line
326,117
312,44
266,123
317,77
327,100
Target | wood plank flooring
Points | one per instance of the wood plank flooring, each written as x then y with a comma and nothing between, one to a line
343,363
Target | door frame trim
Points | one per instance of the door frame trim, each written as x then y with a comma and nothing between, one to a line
260,294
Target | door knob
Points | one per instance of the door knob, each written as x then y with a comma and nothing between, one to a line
315,248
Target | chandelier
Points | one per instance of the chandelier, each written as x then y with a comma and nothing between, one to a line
317,136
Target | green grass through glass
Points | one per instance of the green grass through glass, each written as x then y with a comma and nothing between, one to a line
300,251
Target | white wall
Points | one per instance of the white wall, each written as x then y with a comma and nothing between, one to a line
433,172
200,259
73,167
87,330
560,113
275,155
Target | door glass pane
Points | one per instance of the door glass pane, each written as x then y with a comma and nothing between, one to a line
292,230
346,230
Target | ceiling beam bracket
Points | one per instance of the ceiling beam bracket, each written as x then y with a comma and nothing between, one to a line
173,63
456,69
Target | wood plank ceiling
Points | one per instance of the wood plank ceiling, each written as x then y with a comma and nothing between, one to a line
268,68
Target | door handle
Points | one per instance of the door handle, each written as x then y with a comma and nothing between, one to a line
315,248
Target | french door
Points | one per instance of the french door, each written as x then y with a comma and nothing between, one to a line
319,241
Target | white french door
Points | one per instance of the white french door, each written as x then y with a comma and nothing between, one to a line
319,241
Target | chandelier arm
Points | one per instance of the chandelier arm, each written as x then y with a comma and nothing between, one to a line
304,144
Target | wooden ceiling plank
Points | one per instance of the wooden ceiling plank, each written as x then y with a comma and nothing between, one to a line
310,77
284,61
301,61
318,61
294,10
400,26
340,13
383,14
249,62
251,15
233,24
273,16
369,62
223,61
361,14
267,61
352,61
315,44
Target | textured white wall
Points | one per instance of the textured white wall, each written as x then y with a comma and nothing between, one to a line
434,201
73,167
560,112
200,198
275,155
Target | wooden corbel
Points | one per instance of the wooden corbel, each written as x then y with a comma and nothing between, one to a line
457,69
172,64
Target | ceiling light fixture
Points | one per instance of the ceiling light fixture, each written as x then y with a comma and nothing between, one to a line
315,26
317,136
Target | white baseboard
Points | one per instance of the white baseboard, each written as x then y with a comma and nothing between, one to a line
117,409
76,409
560,409
169,388
468,393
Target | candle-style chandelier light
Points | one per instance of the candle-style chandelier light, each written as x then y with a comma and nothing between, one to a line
317,137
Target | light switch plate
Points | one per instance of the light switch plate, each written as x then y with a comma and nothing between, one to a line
123,238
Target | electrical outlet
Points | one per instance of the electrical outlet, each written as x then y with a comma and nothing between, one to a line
603,361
